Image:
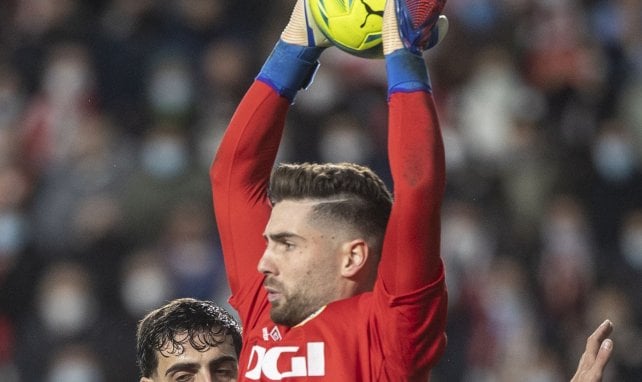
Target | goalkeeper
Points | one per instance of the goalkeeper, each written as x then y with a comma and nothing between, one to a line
350,285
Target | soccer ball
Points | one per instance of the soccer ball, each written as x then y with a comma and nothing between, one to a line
352,25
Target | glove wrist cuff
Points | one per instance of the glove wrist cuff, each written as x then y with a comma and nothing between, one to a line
290,68
406,72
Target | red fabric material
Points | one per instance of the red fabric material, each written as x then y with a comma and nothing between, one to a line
395,332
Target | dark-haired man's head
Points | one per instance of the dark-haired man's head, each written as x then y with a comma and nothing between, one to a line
188,340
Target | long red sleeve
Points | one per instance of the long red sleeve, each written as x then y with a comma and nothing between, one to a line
411,258
240,175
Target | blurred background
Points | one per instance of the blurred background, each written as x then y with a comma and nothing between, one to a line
111,110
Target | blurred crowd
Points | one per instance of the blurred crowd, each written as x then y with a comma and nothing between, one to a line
111,110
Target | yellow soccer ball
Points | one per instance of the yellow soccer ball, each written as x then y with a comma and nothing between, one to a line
352,25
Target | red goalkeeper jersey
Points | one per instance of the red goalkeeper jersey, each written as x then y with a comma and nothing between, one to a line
394,333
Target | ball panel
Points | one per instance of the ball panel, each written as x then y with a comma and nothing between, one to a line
351,25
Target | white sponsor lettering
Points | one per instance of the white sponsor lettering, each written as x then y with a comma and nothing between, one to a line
266,362
316,359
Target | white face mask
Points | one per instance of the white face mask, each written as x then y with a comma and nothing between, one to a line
75,370
67,309
171,89
11,103
144,289
614,158
631,246
66,80
13,234
164,157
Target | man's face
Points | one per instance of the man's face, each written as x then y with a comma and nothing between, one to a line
301,263
216,364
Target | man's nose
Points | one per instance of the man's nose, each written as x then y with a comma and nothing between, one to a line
266,265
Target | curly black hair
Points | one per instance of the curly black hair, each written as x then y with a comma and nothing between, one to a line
202,324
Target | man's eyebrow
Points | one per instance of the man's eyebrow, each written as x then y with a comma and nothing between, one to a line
280,236
183,366
193,366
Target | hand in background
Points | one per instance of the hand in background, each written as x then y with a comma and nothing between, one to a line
596,355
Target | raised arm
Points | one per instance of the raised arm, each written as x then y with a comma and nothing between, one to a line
240,174
411,285
411,258
241,168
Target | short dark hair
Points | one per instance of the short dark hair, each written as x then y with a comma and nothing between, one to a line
204,322
348,193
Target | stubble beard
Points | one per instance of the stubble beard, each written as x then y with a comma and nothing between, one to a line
291,310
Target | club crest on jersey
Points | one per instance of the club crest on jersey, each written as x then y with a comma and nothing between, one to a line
274,334
281,362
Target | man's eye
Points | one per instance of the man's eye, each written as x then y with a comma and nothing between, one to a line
184,377
286,245
225,375
225,372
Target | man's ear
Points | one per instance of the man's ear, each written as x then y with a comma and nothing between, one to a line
143,379
356,254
